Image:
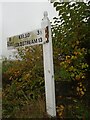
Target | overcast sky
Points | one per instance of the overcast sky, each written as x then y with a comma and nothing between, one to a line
20,17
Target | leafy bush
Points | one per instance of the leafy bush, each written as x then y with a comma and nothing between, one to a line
71,41
70,35
22,80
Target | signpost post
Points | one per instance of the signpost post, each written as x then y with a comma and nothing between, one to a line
41,36
48,66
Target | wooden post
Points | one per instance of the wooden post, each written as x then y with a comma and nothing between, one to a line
48,66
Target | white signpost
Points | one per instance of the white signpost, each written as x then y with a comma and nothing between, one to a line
48,66
41,36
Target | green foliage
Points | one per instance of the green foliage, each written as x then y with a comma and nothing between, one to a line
71,41
22,79
69,34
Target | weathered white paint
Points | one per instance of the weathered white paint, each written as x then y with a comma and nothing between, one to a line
48,68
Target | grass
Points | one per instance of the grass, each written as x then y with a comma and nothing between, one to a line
33,109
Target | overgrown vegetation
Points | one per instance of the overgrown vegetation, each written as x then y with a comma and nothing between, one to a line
71,56
23,78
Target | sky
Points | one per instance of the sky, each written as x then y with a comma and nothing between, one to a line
21,17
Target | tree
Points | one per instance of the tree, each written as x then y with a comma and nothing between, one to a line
71,42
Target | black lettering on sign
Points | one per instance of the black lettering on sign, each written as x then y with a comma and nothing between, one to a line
19,36
16,44
39,32
24,35
28,42
34,41
27,35
9,43
20,44
40,39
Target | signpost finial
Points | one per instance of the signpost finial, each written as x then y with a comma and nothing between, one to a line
45,14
